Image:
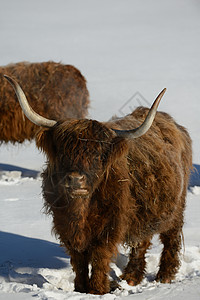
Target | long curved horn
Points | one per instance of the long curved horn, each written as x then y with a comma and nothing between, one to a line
28,111
142,129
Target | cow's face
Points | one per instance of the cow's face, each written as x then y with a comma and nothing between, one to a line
80,154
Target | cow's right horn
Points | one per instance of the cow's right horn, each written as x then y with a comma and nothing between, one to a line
28,111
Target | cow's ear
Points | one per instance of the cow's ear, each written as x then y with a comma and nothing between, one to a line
45,142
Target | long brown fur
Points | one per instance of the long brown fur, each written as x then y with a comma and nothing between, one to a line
54,90
137,188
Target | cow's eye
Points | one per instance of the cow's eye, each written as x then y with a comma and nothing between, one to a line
103,158
96,159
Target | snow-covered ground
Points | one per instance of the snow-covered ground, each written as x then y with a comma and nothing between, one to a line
128,50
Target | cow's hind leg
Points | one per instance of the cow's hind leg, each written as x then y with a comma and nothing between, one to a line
79,263
134,271
169,261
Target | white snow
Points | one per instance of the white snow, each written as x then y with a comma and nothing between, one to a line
128,50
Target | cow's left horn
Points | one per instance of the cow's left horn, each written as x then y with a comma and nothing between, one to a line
28,111
142,129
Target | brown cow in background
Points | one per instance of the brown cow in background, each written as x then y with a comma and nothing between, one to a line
107,183
55,91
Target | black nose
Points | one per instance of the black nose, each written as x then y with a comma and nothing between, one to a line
76,180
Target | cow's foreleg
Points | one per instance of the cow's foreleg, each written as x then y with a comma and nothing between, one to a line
100,259
134,271
79,262
169,261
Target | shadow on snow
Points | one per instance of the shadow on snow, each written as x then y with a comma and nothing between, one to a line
29,255
195,176
24,172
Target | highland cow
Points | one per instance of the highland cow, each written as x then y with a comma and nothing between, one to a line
56,91
112,183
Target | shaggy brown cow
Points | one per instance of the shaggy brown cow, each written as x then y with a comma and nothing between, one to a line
106,186
56,91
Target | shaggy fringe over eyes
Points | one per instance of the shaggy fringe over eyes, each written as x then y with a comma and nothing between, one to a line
78,139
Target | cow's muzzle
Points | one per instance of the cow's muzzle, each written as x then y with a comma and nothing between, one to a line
76,184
